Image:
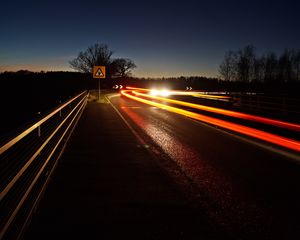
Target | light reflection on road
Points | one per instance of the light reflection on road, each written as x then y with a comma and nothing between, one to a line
210,180
225,200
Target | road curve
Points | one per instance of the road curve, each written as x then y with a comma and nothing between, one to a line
249,190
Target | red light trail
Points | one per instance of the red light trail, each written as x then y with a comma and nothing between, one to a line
268,121
252,132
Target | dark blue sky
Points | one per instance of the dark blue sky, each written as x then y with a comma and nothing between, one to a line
164,38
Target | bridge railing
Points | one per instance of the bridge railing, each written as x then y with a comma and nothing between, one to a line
28,159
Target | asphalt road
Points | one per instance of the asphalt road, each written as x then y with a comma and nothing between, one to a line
107,185
244,187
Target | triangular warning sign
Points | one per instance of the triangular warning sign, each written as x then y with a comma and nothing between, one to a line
99,73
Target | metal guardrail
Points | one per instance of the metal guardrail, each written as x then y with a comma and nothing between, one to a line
28,159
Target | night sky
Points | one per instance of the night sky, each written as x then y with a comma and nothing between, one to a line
164,38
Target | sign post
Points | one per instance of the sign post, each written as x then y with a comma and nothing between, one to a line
99,72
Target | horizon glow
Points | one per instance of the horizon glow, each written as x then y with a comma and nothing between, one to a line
163,39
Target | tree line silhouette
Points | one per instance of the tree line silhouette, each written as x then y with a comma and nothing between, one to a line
244,65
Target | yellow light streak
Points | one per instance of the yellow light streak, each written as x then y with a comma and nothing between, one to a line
268,137
245,116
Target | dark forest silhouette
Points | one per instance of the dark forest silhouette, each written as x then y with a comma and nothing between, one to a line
245,66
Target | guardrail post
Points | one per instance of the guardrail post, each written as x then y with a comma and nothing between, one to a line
39,127
59,110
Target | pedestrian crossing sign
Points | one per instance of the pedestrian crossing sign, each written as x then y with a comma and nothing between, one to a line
99,72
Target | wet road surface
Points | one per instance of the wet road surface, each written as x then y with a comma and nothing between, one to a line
248,190
138,172
107,185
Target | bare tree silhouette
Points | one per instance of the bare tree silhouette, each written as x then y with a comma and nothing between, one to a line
245,63
227,68
121,67
259,69
296,65
285,66
271,67
101,55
